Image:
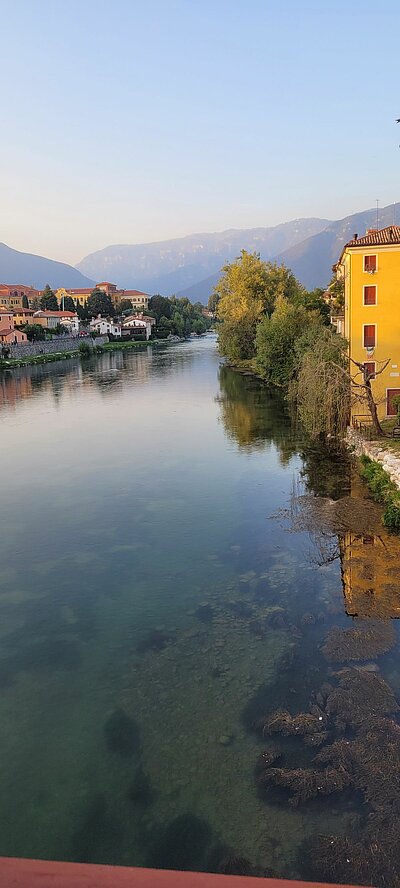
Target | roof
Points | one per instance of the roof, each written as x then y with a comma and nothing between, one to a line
6,311
55,314
377,237
78,290
127,293
105,284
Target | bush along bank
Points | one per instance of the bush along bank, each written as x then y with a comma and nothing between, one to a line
383,490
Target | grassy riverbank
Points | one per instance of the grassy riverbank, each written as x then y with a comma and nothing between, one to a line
75,353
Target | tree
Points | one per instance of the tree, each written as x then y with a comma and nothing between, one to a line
212,303
326,388
248,290
48,300
161,306
99,303
125,305
35,332
314,300
276,359
25,303
68,304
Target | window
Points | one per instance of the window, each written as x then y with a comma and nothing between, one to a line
370,264
370,367
369,335
391,409
370,295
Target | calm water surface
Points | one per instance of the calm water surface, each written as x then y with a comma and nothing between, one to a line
156,603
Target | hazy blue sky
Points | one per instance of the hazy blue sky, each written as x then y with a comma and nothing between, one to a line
131,121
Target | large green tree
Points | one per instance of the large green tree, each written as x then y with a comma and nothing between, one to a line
247,291
99,303
276,337
68,304
161,306
48,299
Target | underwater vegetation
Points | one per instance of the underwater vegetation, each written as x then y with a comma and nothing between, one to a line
363,756
122,734
363,642
154,641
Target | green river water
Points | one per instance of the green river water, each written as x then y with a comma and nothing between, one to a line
157,601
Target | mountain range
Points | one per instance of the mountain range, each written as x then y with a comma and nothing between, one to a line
36,271
190,266
170,266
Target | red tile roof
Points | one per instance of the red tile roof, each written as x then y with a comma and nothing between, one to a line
55,314
128,293
377,237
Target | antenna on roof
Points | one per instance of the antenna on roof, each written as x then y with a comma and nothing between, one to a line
377,214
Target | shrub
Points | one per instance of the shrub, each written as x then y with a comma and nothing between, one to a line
383,490
85,350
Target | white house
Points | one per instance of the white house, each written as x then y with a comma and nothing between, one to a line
105,327
140,321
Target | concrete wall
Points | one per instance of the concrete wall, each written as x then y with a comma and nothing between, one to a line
53,346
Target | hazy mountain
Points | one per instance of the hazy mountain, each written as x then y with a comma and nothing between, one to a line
311,261
36,271
169,266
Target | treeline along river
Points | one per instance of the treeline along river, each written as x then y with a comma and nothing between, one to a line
198,652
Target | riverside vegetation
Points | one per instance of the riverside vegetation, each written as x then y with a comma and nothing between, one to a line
271,325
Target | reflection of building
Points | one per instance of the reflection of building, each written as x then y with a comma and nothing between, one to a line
370,574
369,266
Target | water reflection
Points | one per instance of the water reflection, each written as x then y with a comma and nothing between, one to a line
252,416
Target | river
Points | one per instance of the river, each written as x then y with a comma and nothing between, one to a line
167,583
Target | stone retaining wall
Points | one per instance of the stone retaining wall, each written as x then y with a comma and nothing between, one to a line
389,460
60,345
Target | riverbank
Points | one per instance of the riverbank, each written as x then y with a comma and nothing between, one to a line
49,358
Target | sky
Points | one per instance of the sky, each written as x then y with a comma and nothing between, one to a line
134,121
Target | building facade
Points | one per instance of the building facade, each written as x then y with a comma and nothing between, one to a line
139,323
9,335
15,295
369,267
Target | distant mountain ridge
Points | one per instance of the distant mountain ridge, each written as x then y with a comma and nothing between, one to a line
37,271
311,260
178,264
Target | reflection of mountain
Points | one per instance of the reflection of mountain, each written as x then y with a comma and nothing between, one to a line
253,415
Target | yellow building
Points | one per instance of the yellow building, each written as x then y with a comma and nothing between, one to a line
370,269
80,296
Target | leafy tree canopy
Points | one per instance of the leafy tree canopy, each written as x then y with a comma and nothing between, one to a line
125,305
99,303
35,332
48,300
68,304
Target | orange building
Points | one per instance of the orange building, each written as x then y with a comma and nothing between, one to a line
9,335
